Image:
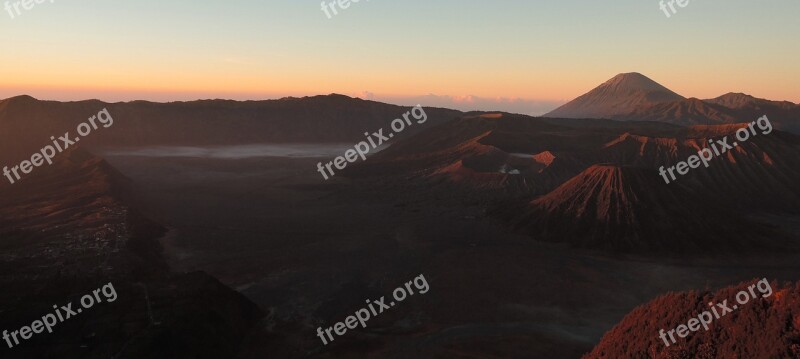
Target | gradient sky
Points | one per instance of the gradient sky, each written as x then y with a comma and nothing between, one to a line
524,55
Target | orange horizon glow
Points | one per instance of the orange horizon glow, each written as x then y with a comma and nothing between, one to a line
253,89
542,53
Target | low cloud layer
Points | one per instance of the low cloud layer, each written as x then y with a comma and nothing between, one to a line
471,103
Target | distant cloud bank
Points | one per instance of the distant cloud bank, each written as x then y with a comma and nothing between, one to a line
470,103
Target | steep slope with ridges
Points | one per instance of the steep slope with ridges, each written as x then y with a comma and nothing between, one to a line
630,209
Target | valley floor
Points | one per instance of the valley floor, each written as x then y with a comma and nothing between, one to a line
311,252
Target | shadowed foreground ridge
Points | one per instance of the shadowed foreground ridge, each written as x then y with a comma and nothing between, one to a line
68,230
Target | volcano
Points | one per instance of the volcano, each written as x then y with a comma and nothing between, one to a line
635,97
621,208
616,97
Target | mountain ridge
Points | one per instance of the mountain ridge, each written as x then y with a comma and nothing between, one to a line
635,97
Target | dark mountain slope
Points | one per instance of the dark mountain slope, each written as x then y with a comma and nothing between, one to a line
67,231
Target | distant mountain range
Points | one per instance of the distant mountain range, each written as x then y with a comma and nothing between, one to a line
635,97
588,182
26,123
